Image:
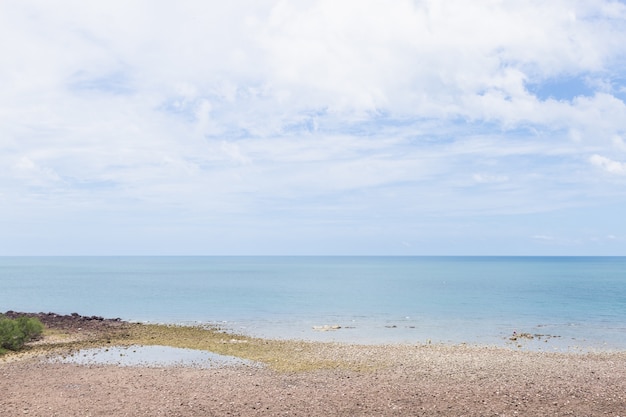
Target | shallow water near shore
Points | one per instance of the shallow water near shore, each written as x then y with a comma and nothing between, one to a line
563,303
149,356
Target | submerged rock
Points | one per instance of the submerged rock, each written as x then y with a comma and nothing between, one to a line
327,327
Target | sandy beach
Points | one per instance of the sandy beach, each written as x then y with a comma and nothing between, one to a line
306,379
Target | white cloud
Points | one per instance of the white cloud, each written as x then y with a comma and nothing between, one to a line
618,142
609,165
489,178
33,174
543,237
393,110
424,59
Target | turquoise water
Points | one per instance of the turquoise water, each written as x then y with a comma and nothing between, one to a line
574,302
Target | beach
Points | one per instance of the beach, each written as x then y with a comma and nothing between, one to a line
306,378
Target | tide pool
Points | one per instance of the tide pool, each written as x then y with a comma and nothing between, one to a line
150,356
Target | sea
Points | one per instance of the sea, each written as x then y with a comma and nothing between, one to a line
575,304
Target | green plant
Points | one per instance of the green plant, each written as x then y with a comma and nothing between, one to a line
14,333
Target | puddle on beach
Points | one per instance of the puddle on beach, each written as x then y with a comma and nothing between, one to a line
151,356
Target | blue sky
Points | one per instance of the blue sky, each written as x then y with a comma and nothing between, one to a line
313,128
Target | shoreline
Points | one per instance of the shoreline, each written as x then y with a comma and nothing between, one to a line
74,331
306,378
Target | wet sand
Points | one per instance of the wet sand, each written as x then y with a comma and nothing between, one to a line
309,379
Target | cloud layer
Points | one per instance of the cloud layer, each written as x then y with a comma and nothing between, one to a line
405,127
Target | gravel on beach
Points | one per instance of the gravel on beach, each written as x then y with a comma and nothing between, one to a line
395,380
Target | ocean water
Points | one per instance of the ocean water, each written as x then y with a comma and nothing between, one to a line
565,303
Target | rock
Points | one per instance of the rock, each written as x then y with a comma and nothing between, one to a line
327,327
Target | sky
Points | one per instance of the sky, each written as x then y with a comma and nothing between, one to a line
352,127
